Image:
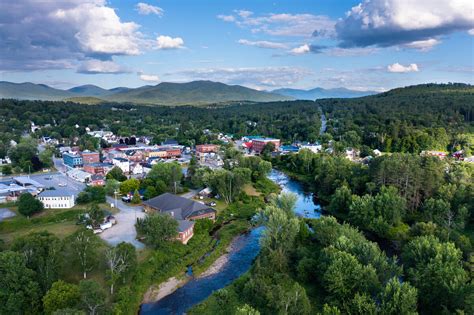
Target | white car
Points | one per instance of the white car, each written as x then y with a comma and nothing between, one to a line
62,184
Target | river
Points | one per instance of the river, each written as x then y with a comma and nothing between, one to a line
245,250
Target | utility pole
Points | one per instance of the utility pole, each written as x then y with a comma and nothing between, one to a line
115,195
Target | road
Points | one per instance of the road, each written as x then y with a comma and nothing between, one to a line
124,230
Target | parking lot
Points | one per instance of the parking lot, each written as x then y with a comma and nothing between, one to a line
58,180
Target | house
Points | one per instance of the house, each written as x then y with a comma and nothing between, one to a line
72,160
90,157
181,209
136,168
259,143
352,154
57,198
438,154
122,163
315,148
135,155
289,149
97,180
114,153
377,152
10,191
206,192
207,148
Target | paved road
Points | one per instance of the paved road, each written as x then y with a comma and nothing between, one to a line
124,230
190,194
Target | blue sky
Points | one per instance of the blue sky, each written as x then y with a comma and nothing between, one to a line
364,45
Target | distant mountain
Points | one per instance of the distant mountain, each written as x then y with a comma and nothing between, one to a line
191,93
31,91
90,90
318,93
195,92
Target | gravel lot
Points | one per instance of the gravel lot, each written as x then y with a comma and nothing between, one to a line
124,230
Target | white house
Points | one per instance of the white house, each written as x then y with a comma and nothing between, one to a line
57,199
122,163
136,169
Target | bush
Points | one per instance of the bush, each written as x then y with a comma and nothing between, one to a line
91,194
28,205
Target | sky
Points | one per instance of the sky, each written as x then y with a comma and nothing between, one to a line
363,45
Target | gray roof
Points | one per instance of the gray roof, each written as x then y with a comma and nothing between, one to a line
61,192
25,180
179,207
184,225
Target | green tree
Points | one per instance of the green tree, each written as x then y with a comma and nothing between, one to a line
61,295
119,260
111,186
246,310
42,252
435,269
398,298
7,170
117,174
92,296
136,197
96,215
28,205
341,200
169,173
157,228
23,153
20,293
84,245
92,194
129,185
150,192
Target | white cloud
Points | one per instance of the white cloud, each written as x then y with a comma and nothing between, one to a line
167,42
95,66
255,77
398,68
226,18
38,35
471,31
263,44
283,24
146,9
397,22
243,13
99,29
149,77
301,50
423,45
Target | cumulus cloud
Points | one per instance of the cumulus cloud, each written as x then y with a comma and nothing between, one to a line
303,49
226,18
95,66
146,9
39,35
307,48
263,44
283,24
423,45
256,77
167,42
387,23
149,77
398,68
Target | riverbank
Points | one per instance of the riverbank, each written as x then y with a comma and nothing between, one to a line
156,293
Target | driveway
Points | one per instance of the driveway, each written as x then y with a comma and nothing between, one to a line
124,230
190,194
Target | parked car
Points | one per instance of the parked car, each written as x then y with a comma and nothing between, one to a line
126,199
211,204
62,184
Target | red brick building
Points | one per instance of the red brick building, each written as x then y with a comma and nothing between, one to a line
207,148
90,157
260,143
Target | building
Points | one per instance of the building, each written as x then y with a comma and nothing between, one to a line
57,199
207,148
97,180
90,157
181,209
98,168
72,160
122,163
438,154
259,143
79,175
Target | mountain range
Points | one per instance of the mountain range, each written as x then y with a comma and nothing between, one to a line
166,93
318,93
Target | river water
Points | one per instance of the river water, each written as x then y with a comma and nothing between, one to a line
245,250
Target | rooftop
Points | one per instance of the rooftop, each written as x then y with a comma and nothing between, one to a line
179,207
61,192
